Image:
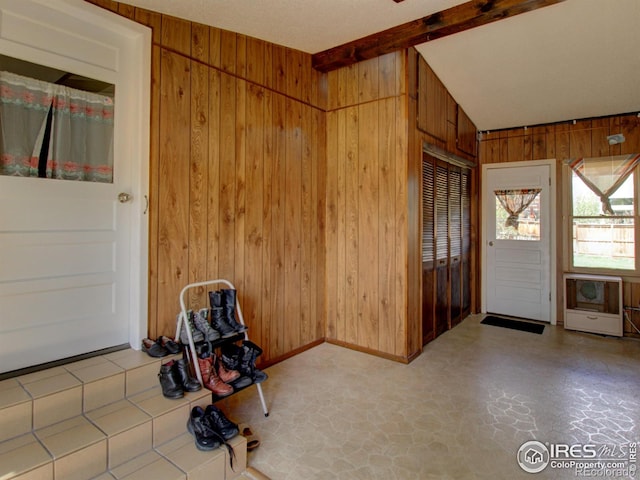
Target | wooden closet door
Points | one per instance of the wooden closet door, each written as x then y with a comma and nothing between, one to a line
455,244
466,243
442,248
428,250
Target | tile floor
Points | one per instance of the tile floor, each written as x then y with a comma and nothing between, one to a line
459,411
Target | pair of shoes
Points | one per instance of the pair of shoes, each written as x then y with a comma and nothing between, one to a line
211,429
175,379
253,440
162,347
215,376
223,313
170,345
196,334
154,349
243,359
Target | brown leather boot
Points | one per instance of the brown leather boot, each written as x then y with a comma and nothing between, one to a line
217,386
225,374
205,369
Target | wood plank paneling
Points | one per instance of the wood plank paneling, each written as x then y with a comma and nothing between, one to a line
293,215
254,196
199,177
387,208
306,211
173,184
237,169
368,231
352,214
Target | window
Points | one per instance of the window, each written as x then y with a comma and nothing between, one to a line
603,213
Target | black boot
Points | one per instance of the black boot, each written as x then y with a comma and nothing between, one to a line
183,373
230,358
229,302
219,323
250,352
218,319
169,381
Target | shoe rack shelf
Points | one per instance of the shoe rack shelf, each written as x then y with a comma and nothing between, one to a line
192,349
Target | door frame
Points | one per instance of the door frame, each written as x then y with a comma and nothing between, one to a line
134,67
484,204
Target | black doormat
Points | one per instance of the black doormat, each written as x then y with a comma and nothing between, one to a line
513,324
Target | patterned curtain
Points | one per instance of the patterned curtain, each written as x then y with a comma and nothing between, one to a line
53,131
604,175
24,105
515,202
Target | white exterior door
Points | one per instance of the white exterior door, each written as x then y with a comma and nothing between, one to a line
72,256
517,252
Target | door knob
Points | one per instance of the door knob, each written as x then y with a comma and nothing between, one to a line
491,244
124,197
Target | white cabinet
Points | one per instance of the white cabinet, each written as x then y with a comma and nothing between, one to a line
593,303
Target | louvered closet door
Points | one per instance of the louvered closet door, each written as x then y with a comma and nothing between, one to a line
446,246
428,250
466,243
455,244
442,248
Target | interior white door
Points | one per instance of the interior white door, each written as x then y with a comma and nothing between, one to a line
67,286
517,274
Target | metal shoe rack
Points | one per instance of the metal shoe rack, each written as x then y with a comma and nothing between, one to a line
192,348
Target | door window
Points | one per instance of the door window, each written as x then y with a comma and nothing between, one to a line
50,129
517,214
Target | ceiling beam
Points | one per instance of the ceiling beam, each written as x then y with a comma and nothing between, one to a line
437,25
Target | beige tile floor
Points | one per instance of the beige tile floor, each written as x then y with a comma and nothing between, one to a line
459,411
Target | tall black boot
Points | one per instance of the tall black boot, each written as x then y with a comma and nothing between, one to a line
218,318
219,323
229,297
169,381
183,373
230,355
250,352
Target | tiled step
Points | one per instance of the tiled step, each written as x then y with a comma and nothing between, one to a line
104,418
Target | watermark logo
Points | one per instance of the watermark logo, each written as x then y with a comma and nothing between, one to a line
533,456
585,460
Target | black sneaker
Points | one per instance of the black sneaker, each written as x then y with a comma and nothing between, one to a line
225,427
199,425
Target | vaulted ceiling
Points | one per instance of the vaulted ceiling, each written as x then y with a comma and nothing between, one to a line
570,60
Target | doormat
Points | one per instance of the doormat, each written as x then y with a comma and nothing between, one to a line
513,324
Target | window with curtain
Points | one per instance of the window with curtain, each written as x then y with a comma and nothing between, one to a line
517,214
603,212
54,131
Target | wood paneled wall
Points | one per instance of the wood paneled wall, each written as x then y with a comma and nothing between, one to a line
237,179
296,186
582,138
375,134
366,188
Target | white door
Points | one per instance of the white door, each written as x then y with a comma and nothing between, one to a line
517,273
72,256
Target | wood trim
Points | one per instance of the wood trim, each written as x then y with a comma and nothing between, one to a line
437,25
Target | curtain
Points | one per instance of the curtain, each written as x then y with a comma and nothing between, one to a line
24,105
604,175
515,202
54,131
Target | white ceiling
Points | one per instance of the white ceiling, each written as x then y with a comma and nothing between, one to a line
576,59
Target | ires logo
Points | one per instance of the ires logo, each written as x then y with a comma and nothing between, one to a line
535,456
559,451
